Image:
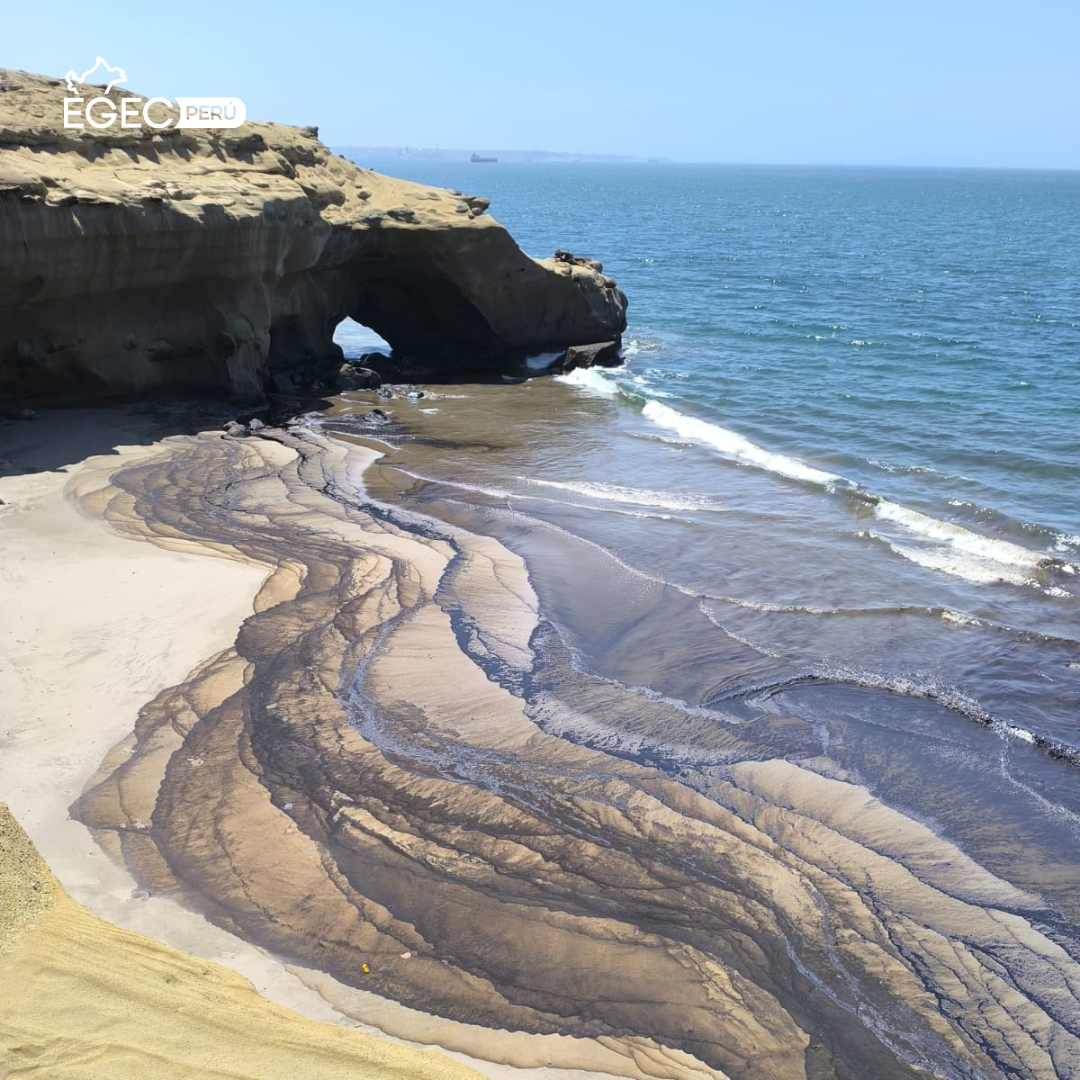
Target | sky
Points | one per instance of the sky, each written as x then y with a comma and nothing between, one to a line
944,83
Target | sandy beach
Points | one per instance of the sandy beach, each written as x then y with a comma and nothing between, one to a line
270,717
96,624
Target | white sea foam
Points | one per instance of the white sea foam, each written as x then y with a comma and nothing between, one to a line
508,496
960,552
966,554
959,618
915,685
590,379
985,548
634,496
736,446
641,345
646,385
1020,733
952,550
959,564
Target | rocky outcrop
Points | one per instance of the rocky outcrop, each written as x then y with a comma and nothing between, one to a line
139,259
597,354
356,377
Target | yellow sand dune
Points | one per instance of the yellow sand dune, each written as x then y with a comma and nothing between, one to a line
81,999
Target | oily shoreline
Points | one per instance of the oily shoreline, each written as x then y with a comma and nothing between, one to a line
537,884
104,623
101,624
249,886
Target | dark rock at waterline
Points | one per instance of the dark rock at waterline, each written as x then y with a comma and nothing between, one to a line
598,354
283,384
235,429
351,377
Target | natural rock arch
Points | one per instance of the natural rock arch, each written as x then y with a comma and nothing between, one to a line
136,260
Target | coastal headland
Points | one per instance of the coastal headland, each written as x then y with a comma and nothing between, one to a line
141,260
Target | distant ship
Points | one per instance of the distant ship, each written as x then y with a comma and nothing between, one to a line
476,157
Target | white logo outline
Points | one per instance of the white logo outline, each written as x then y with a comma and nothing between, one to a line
101,62
209,113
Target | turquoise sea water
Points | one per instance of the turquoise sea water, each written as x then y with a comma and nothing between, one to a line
848,424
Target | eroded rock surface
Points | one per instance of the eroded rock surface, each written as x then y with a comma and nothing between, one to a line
137,259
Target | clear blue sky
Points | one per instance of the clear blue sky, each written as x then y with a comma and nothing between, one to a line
949,82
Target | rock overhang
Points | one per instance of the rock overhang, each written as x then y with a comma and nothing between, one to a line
137,260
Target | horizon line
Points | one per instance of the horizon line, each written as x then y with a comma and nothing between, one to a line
600,158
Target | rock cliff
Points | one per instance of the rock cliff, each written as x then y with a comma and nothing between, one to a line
139,259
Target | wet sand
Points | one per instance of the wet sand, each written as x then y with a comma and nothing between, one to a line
96,622
403,763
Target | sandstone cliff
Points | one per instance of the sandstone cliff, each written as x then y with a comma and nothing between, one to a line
139,259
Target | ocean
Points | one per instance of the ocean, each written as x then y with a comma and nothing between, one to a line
849,412
827,512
